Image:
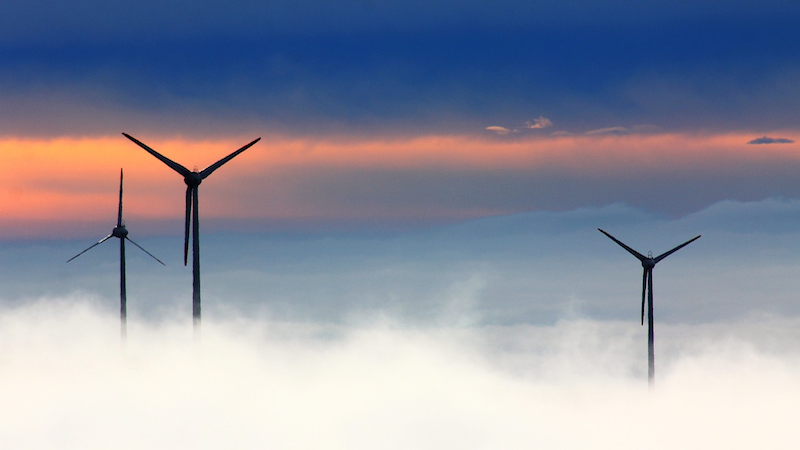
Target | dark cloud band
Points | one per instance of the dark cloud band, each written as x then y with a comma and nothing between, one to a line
769,140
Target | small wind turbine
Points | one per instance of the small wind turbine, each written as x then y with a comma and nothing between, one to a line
122,233
648,262
192,178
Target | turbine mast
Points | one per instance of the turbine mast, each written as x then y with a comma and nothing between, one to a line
195,265
651,352
123,291
123,294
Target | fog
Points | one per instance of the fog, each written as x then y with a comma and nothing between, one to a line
502,333
68,384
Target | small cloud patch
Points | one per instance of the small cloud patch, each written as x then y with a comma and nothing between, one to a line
539,123
769,140
502,131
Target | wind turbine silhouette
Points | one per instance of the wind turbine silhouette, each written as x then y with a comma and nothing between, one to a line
192,178
122,233
648,263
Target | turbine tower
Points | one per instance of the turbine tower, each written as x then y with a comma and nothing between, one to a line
648,263
122,233
192,180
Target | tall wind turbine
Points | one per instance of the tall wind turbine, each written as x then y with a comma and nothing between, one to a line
122,233
192,180
648,263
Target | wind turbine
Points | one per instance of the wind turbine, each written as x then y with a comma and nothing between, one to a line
122,233
192,178
648,262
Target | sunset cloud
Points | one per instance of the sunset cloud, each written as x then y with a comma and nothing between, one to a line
502,131
535,124
769,140
408,179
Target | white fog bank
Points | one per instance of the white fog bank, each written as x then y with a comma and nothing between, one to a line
378,384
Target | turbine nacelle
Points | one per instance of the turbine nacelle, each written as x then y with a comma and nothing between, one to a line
193,179
120,232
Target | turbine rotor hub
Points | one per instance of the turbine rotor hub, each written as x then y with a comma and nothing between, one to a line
648,263
193,179
120,232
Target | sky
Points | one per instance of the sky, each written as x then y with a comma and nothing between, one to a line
395,115
409,258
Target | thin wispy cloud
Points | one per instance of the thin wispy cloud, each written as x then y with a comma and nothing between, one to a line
613,131
771,140
617,131
502,131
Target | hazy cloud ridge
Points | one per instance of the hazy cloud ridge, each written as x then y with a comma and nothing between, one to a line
529,268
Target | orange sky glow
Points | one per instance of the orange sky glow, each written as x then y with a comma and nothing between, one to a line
76,180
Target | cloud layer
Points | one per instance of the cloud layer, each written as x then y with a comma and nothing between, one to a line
257,384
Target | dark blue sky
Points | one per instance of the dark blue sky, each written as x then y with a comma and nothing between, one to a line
693,68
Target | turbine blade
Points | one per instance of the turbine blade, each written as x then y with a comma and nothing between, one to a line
633,252
172,164
644,290
188,223
142,249
207,171
91,247
664,255
119,215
